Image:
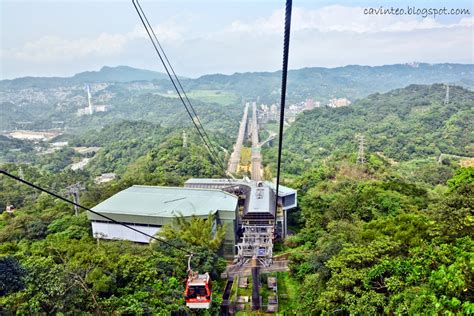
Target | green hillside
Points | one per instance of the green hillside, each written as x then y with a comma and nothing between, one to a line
402,124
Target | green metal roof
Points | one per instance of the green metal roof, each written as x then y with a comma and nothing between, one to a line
158,201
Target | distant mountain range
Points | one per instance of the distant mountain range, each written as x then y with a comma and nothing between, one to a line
105,74
350,81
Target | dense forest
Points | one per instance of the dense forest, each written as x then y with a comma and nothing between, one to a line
390,236
403,124
49,262
374,242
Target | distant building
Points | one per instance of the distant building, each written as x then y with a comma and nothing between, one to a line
55,147
33,135
338,102
101,108
59,144
80,165
10,209
273,112
91,109
86,150
105,177
310,104
148,208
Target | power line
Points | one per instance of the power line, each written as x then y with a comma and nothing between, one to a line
174,73
156,46
93,212
284,75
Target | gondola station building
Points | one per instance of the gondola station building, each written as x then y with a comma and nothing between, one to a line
235,203
148,208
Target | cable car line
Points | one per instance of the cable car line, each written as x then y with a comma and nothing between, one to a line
174,73
93,212
149,31
284,75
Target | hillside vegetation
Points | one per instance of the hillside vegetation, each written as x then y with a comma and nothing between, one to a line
387,237
402,124
373,242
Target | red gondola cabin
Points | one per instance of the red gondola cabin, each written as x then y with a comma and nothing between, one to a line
198,291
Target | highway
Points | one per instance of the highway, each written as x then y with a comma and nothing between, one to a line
256,173
235,156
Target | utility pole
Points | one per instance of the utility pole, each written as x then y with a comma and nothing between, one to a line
446,99
361,154
74,191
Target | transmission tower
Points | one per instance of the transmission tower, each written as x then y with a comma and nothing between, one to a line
74,191
446,99
185,140
21,174
361,154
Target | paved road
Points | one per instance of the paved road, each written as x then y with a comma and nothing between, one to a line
235,156
256,155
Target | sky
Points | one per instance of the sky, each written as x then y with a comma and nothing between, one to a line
61,38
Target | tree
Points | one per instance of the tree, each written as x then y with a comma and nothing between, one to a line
196,231
11,275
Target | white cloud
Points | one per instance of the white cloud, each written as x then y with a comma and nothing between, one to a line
54,48
337,18
329,36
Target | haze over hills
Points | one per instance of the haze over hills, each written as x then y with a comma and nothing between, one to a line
142,94
349,81
353,80
105,74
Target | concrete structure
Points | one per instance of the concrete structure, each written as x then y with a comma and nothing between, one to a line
89,102
235,157
148,208
91,109
243,188
256,173
258,222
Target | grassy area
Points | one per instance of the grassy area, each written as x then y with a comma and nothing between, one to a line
245,156
287,294
246,292
215,96
273,127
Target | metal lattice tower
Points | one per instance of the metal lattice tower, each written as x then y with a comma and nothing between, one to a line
257,241
446,99
185,139
74,191
361,154
21,174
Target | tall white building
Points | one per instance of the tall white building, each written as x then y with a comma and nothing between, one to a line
89,102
